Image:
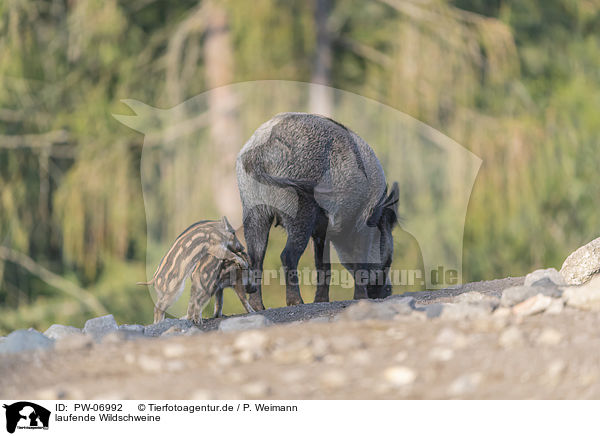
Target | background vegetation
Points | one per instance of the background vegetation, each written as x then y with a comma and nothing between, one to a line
515,82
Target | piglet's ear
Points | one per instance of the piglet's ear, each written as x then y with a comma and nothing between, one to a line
226,225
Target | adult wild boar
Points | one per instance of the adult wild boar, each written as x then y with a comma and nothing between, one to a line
318,179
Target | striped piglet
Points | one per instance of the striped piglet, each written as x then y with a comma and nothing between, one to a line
213,256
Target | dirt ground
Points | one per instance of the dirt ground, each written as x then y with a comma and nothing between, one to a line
495,357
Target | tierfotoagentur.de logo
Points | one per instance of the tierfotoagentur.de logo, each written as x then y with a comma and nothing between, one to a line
24,415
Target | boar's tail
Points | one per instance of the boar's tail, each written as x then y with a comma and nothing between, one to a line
146,283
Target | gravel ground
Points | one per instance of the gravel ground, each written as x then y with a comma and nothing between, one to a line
303,356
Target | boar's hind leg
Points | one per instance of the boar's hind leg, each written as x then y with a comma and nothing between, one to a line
299,231
257,223
322,259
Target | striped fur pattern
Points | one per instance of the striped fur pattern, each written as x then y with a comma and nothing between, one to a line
210,242
205,284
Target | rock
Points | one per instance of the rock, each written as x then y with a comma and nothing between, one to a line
555,307
57,331
333,379
244,323
441,354
542,276
161,327
253,340
77,341
465,384
132,328
585,297
400,375
256,390
533,305
452,338
476,297
458,310
120,336
517,294
25,340
385,310
174,350
99,327
511,337
320,319
549,336
582,264
149,364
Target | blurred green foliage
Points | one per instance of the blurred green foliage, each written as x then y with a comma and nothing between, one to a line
516,82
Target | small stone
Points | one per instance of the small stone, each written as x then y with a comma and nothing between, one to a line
333,379
517,294
25,340
585,297
540,274
385,310
249,322
202,395
361,357
452,338
253,340
120,336
174,366
133,328
173,350
79,341
532,305
256,390
456,311
161,327
549,336
99,327
400,375
555,370
476,297
56,331
401,356
465,384
344,343
149,364
555,307
441,354
320,320
582,264
511,337
502,312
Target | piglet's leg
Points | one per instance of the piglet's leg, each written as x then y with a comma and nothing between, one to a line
199,298
218,313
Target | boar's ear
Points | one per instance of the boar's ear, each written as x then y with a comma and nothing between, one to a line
390,205
226,225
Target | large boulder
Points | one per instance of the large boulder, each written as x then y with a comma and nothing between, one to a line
57,331
25,340
100,327
582,264
544,277
585,297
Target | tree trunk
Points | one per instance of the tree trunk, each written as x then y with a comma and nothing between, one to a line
225,129
321,98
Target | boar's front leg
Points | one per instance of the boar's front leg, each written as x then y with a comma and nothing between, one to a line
322,259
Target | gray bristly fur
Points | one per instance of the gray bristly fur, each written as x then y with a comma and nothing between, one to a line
317,179
200,243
